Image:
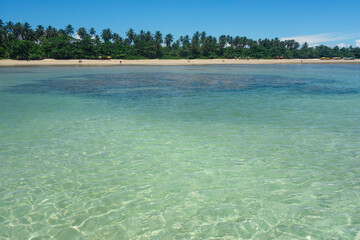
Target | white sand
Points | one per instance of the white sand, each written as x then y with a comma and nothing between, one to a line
154,62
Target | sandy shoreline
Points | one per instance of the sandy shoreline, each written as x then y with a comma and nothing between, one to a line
165,62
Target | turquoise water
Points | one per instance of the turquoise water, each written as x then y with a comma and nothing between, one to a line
183,152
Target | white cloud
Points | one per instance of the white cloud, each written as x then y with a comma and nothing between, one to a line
76,36
342,45
321,38
314,45
357,43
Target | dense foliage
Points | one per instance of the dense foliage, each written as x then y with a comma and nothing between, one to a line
20,41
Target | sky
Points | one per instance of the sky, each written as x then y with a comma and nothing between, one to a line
328,22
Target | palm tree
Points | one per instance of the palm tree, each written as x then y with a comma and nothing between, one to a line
222,41
276,42
168,39
26,31
291,44
39,32
207,44
176,44
127,42
195,41
106,35
214,41
50,32
251,43
243,42
82,33
131,35
69,30
97,40
202,38
9,27
148,37
229,39
31,35
92,32
1,26
158,37
305,45
236,42
116,38
18,30
158,40
62,32
141,36
1,29
186,41
2,33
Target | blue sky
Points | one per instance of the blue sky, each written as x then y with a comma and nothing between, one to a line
318,21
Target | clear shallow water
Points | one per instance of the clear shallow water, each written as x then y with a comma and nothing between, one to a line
209,152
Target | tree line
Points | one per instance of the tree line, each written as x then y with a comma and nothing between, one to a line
21,41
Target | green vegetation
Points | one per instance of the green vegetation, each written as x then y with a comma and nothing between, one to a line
20,41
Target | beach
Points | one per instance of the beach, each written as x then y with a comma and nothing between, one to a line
166,62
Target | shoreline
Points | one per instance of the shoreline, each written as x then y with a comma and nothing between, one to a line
165,62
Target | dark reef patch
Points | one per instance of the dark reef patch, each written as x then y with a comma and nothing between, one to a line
173,84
